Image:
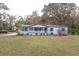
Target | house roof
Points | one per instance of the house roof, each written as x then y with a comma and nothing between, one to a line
56,26
44,26
38,26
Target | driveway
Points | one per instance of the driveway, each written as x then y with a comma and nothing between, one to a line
8,34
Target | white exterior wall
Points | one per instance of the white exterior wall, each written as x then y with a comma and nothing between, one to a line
55,31
66,30
23,32
31,32
48,32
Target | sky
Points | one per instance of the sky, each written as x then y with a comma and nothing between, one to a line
26,7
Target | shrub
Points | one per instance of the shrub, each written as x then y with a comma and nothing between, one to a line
3,31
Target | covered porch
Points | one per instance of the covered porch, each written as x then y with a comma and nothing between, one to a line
38,30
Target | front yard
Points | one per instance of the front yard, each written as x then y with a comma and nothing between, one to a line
39,45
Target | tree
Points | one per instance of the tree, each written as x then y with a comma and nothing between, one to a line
3,6
34,18
75,26
11,22
60,13
34,14
3,13
3,16
18,25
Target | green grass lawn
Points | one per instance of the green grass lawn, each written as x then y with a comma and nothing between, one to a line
39,45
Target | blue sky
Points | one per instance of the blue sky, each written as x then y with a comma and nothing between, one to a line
26,7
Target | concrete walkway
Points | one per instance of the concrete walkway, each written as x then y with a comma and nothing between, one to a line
8,34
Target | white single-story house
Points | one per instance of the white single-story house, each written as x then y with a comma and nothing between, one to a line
43,30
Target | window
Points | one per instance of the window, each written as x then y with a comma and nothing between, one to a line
26,29
51,29
63,29
45,29
31,28
38,29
